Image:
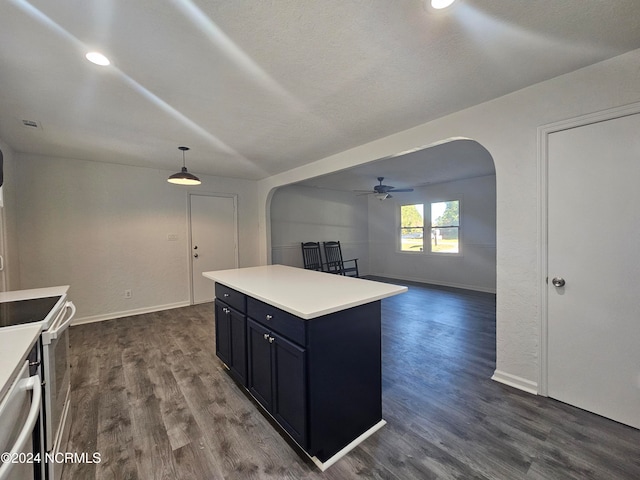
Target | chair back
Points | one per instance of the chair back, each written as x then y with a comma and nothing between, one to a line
311,256
333,257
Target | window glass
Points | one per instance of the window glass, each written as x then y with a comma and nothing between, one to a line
412,228
445,227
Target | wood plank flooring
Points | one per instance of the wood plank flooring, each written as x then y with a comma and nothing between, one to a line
150,396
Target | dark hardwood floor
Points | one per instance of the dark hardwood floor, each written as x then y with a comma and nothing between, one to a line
150,396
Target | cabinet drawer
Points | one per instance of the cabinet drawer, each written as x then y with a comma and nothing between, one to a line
277,320
231,297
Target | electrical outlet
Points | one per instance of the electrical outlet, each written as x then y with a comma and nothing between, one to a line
128,294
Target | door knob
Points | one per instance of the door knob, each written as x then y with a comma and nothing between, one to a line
558,282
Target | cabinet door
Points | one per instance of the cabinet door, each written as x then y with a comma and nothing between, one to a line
290,388
259,379
238,343
223,333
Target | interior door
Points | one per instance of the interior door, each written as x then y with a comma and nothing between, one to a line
214,239
593,345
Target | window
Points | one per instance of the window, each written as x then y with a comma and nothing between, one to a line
412,228
444,227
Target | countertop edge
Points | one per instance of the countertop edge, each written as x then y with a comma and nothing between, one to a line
32,293
327,311
390,291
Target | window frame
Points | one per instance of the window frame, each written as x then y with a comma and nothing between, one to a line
428,227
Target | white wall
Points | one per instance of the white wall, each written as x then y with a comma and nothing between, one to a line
8,228
306,214
474,269
507,128
102,228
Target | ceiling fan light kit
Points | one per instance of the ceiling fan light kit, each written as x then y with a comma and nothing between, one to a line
183,177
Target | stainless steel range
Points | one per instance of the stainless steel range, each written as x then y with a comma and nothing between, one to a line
50,308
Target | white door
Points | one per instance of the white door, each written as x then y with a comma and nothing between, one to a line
214,238
593,321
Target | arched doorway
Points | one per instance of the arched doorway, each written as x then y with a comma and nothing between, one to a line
326,208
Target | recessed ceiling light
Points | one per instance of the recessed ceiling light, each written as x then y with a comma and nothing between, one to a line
98,58
440,4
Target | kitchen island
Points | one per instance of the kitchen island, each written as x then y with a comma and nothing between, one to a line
306,346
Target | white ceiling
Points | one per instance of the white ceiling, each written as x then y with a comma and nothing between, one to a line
258,87
455,160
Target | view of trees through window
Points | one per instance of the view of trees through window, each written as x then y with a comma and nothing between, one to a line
412,228
444,227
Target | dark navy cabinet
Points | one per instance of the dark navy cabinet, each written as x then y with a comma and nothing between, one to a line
320,379
277,378
231,337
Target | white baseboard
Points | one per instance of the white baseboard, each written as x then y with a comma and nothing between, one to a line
128,313
330,461
426,281
515,382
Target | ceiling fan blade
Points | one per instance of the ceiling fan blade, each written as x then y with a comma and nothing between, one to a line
364,193
401,190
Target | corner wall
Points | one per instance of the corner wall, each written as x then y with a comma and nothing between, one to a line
8,228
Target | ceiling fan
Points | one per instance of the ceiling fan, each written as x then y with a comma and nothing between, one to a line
382,191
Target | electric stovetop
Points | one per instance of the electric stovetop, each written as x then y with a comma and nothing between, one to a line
20,312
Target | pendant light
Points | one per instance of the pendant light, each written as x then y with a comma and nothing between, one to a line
183,177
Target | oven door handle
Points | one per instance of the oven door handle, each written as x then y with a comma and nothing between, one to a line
31,383
49,335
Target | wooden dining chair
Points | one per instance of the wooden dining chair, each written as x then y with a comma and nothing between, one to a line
335,262
311,256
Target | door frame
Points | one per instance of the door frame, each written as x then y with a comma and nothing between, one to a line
544,132
189,238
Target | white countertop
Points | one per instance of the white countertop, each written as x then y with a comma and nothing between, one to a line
15,345
304,293
33,293
16,340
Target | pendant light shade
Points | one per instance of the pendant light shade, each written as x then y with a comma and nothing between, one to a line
183,177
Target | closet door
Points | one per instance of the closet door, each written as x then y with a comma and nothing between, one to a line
594,268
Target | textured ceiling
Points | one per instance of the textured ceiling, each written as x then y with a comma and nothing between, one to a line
455,160
257,87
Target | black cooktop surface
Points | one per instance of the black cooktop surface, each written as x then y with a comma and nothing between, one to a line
26,311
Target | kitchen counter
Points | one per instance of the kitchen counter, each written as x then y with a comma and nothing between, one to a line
15,345
33,293
304,293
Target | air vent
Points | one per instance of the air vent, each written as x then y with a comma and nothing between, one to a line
31,123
